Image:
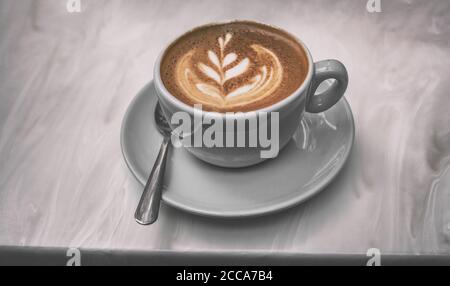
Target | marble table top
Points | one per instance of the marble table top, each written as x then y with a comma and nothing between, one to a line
66,80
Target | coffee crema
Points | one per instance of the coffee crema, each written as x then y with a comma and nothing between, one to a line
234,67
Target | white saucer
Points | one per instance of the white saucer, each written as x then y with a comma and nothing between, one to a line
311,160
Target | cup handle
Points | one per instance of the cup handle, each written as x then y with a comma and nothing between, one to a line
323,70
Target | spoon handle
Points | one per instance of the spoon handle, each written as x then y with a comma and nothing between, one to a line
148,208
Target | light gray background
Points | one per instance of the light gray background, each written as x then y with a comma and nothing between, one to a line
67,79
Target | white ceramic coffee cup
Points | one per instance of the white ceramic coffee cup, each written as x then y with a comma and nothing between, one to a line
290,109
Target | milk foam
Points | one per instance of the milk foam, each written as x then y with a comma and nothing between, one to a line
204,81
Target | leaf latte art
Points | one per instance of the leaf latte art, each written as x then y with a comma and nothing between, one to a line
222,68
233,68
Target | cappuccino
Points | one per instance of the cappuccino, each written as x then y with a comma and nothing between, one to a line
234,67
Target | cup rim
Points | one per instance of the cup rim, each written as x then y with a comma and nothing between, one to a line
181,106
